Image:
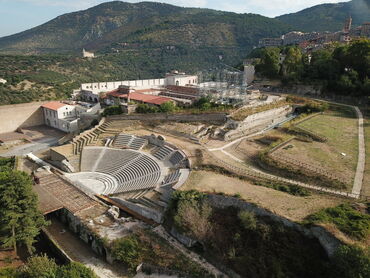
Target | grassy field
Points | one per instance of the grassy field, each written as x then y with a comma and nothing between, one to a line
339,126
292,207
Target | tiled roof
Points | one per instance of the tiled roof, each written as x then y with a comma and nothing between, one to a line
157,100
54,105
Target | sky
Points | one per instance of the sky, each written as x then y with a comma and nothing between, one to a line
20,15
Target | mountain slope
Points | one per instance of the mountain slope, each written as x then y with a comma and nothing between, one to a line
328,17
148,24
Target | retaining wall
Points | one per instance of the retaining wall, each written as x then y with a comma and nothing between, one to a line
20,116
207,117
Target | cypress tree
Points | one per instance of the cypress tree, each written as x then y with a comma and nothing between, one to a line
20,220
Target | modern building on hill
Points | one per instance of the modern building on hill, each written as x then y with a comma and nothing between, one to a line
66,116
2,81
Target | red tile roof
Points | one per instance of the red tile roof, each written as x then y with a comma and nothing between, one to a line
54,105
151,99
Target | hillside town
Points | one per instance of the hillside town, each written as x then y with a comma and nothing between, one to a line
317,40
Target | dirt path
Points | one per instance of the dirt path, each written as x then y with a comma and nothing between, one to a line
79,251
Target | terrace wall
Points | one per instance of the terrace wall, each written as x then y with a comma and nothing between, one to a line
20,116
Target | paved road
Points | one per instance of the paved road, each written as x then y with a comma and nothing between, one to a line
36,146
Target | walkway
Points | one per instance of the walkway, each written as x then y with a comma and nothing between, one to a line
357,184
193,256
79,251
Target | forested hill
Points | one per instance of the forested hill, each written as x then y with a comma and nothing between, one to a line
329,17
144,25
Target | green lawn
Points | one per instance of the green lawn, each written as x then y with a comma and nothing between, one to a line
339,126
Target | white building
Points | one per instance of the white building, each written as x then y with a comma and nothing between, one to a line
90,91
2,81
249,74
65,117
180,79
87,54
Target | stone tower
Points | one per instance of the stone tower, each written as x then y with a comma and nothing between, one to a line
347,25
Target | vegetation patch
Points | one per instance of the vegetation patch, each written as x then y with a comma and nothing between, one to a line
146,247
236,238
347,219
43,267
112,110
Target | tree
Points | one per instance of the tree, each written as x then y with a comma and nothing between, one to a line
40,267
167,107
359,57
269,65
20,220
194,217
293,62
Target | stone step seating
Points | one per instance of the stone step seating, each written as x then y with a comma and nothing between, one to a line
163,153
176,158
129,141
109,184
132,170
172,178
91,137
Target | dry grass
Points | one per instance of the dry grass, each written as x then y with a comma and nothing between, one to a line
292,207
340,127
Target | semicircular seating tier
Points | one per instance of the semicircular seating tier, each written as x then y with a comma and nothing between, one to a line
129,170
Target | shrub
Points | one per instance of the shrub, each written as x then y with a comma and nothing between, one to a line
351,262
248,220
167,107
145,108
348,220
75,270
127,250
40,267
112,110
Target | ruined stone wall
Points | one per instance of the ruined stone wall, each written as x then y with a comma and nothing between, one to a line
257,122
20,116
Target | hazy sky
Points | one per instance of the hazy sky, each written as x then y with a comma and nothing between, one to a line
19,15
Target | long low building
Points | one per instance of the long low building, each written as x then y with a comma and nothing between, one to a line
125,95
